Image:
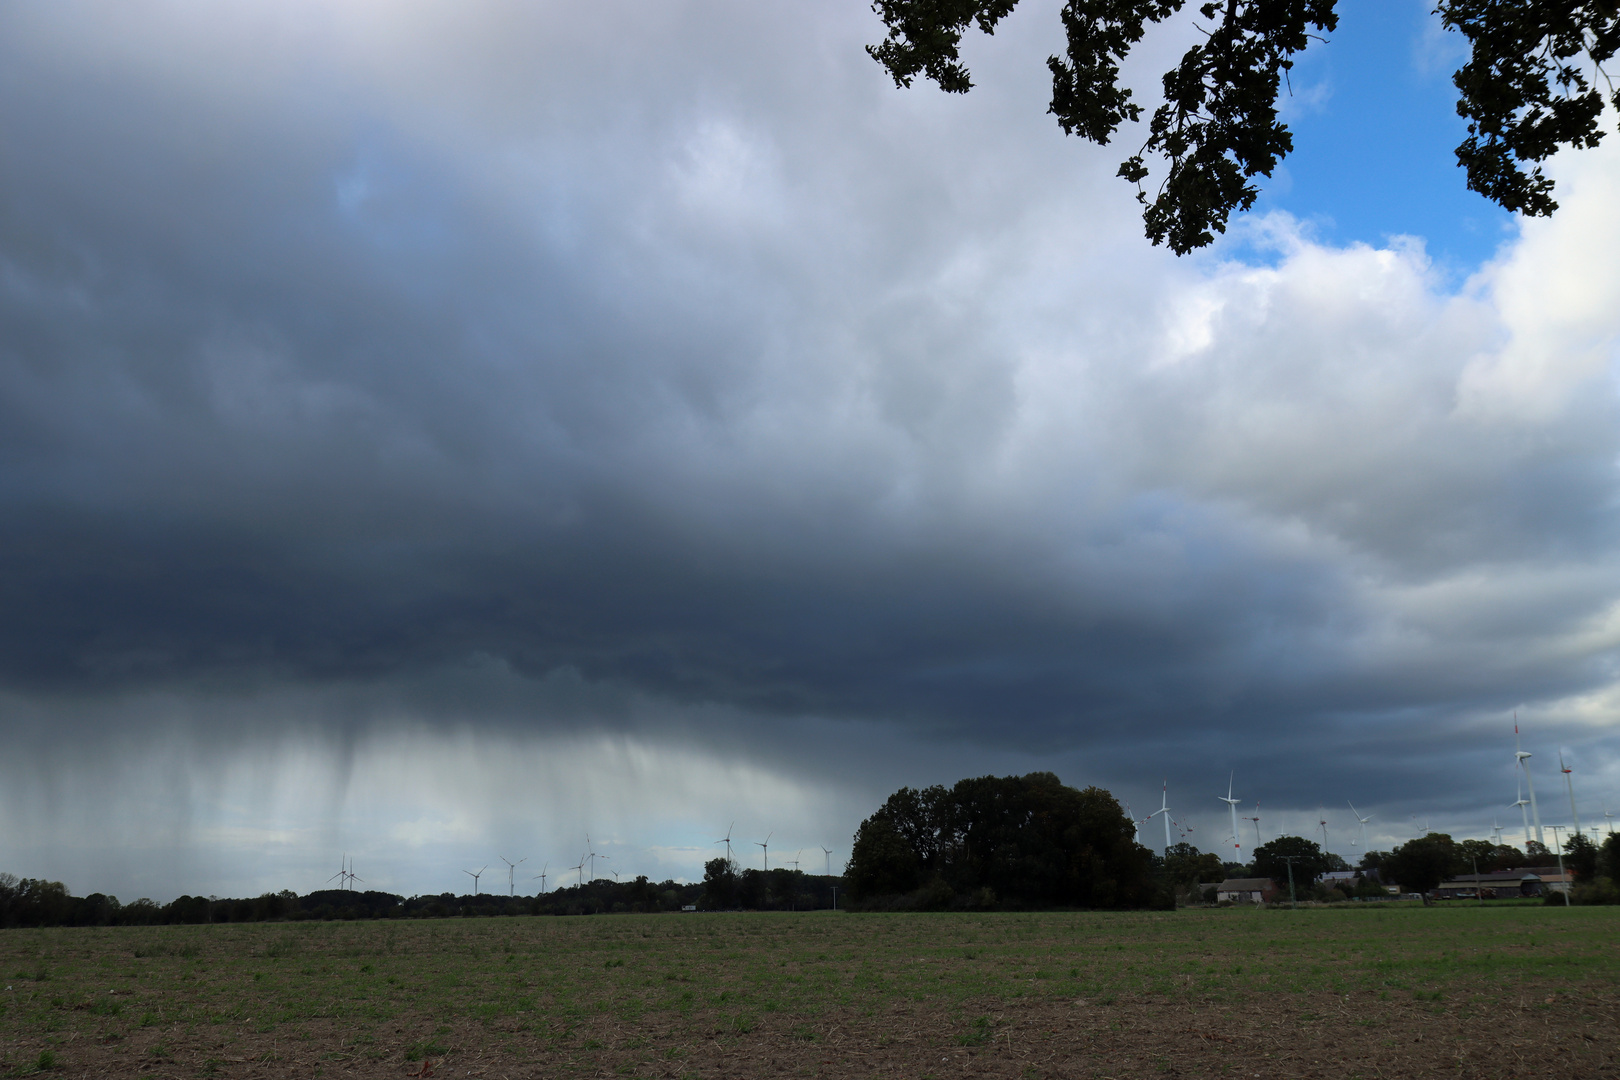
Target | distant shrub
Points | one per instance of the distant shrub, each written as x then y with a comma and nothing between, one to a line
1599,891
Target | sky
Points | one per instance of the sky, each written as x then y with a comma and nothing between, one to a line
432,433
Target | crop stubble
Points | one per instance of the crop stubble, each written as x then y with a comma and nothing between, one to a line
1341,992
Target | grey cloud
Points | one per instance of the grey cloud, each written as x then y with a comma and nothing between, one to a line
682,355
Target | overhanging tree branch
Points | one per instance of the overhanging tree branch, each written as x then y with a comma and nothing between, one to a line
1524,90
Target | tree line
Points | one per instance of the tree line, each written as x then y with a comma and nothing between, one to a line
986,843
1420,865
726,887
37,902
1031,842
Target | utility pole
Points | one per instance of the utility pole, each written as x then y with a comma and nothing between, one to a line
1289,859
1555,829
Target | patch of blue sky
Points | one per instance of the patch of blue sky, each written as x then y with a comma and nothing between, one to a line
400,200
1375,124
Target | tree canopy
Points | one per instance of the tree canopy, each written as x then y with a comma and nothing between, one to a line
1525,90
1581,857
1489,856
1421,865
1026,841
1310,861
1185,866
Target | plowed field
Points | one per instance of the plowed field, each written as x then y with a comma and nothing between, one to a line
1392,991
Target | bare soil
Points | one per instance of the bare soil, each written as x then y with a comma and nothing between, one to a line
1545,1032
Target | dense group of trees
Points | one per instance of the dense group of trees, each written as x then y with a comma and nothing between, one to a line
1420,865
34,902
726,887
1013,841
1468,854
1186,868
1526,90
1309,862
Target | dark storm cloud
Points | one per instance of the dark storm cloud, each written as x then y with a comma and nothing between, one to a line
687,358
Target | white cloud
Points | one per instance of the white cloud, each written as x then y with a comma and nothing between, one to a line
1555,293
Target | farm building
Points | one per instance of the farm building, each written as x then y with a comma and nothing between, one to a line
1501,884
1256,890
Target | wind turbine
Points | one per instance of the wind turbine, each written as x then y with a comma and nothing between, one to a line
541,876
829,860
766,844
353,877
1322,821
1164,808
581,869
1136,826
476,876
1566,770
1231,805
796,855
511,888
1496,830
1523,758
592,854
1256,820
727,841
1362,820
343,874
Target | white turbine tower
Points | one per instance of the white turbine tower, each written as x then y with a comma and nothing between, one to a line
1321,819
342,875
475,875
1256,820
1496,831
726,840
1568,779
1231,805
1164,808
592,855
828,852
766,845
1522,803
511,885
541,876
1523,758
1363,821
